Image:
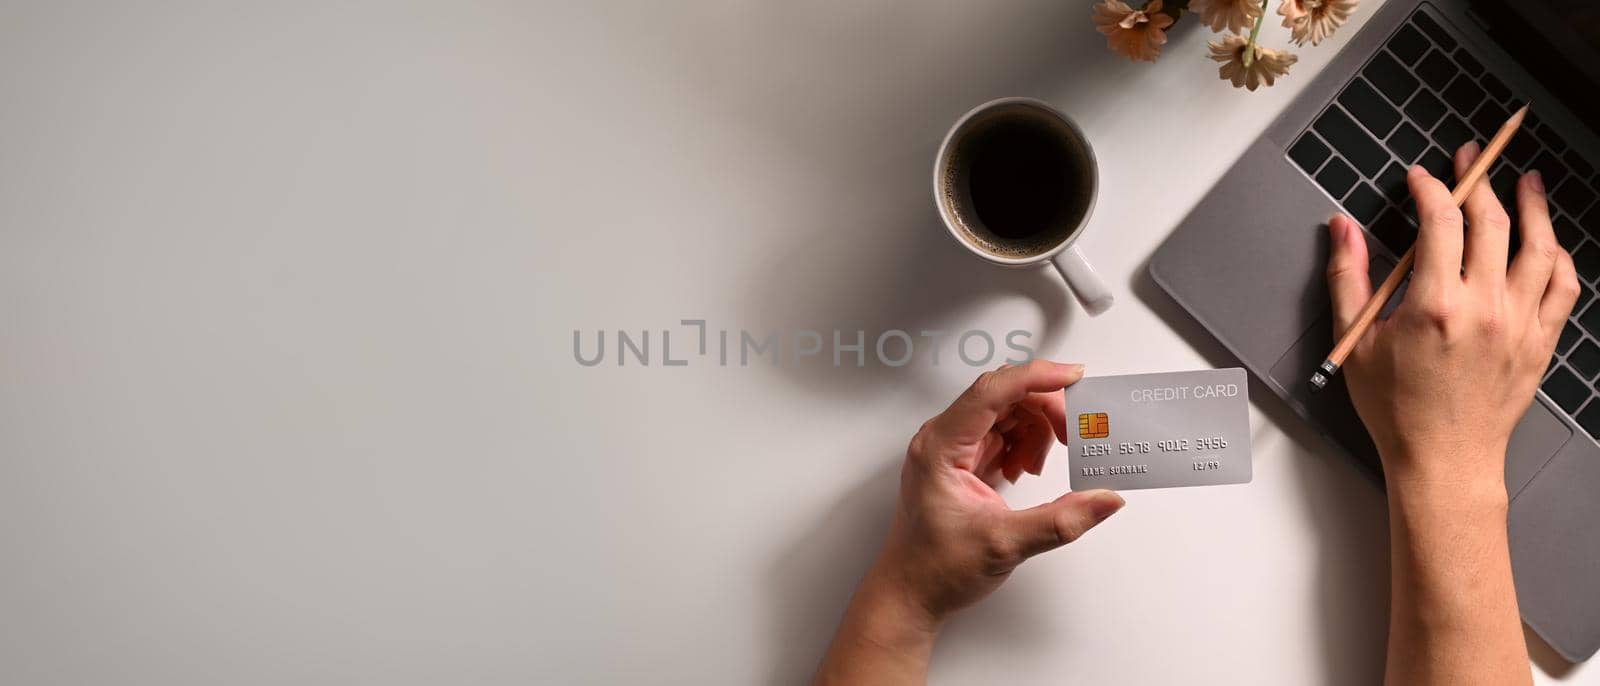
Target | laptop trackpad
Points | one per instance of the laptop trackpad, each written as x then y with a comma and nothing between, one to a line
1536,439
1329,411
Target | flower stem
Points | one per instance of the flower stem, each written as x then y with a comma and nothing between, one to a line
1250,47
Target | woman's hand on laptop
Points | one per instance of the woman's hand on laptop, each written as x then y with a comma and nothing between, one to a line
1441,384
953,539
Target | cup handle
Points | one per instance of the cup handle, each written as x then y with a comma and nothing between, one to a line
1085,282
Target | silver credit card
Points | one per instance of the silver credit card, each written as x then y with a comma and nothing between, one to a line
1159,430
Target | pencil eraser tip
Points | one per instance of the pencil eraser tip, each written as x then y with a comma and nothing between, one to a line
1317,382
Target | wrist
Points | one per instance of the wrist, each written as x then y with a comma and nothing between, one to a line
897,618
1470,500
1470,467
886,636
1465,502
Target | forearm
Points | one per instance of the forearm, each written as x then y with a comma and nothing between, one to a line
1453,612
884,638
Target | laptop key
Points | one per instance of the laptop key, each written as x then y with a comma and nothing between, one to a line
1337,177
1343,135
1590,319
1590,221
1573,196
1407,142
1436,70
1392,182
1589,419
1451,133
1369,108
1567,233
1395,232
1464,94
1570,335
1496,88
1587,260
1434,31
1585,360
1438,164
1486,122
1566,389
1468,63
1551,168
1425,109
1409,44
1308,152
1580,166
1551,139
1521,150
1364,203
1390,77
1585,294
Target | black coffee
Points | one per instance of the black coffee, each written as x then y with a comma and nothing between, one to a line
1019,181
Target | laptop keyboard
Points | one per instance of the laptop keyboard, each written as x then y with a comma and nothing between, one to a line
1415,101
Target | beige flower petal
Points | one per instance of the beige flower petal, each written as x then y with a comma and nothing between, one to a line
1314,21
1135,34
1267,66
1291,11
1231,15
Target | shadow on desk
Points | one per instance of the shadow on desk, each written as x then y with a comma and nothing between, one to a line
1546,658
862,246
1345,505
814,576
912,278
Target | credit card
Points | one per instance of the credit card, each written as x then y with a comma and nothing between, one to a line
1159,430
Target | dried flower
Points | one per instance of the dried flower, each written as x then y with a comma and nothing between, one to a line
1291,11
1233,15
1135,34
1314,20
1266,66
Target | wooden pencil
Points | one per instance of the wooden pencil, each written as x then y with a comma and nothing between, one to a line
1369,312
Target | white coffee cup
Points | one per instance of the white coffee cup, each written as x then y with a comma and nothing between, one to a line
1056,242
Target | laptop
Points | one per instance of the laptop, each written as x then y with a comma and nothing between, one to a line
1417,81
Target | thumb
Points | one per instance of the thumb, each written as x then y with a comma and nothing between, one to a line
1061,521
1348,284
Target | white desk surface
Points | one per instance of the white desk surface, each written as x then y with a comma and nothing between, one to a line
287,392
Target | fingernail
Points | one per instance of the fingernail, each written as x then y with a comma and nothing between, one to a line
1471,148
1536,180
1336,228
1103,504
